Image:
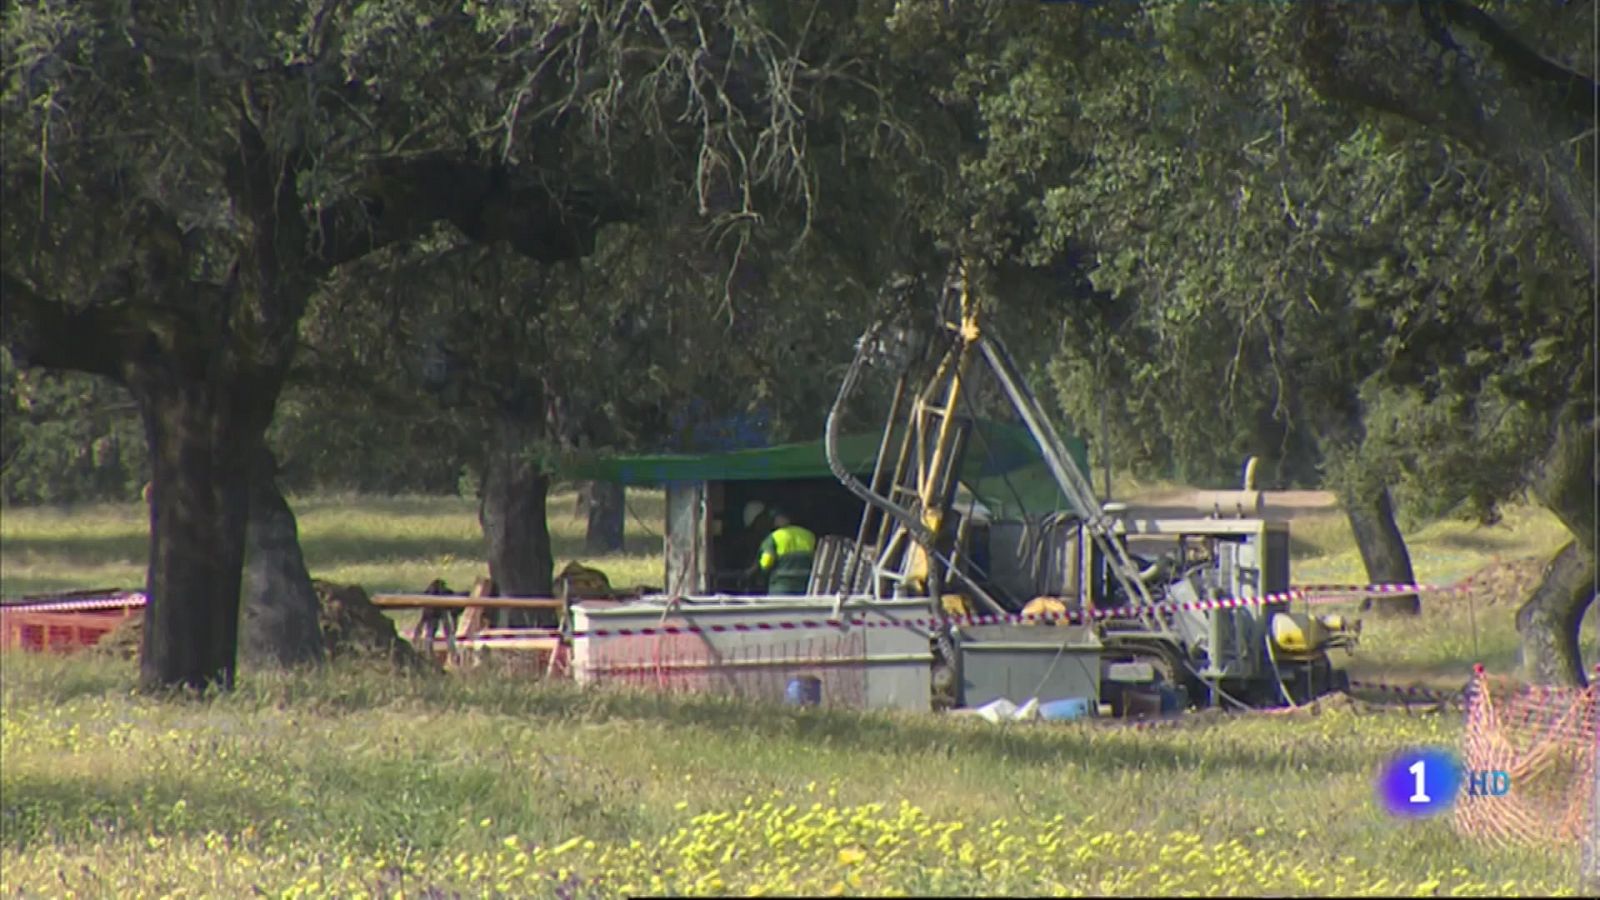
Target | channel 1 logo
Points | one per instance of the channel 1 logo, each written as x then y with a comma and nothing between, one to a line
1425,782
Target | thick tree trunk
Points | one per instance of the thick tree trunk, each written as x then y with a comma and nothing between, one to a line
512,513
198,510
606,503
1383,551
279,626
1550,620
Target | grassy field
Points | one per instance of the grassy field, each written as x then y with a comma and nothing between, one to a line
357,782
381,543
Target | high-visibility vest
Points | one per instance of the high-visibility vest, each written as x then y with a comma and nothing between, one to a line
787,552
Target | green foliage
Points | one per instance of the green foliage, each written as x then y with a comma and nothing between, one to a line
1259,254
67,438
73,438
1177,220
329,441
1452,455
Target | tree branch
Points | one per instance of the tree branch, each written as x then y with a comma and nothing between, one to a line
49,334
1577,91
1319,49
487,203
1387,64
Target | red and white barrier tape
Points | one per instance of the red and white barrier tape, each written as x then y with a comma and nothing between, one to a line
1360,589
131,600
1316,593
853,620
1312,594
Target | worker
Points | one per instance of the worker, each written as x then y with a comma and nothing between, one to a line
786,556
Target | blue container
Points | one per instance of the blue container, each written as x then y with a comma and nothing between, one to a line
1064,710
804,691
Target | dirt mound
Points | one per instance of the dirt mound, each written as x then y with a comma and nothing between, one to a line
1504,582
351,628
582,581
123,640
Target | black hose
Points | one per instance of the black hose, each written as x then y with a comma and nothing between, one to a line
905,517
842,472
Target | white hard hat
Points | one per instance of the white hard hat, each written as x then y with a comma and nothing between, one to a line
751,510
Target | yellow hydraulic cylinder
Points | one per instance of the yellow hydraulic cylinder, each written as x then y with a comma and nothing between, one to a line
955,367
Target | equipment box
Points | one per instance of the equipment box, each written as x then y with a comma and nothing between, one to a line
752,647
1023,662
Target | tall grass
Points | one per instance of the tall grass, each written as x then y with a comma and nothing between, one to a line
330,783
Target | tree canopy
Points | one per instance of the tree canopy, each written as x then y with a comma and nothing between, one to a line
1363,233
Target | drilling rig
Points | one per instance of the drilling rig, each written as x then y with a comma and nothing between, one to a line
1208,613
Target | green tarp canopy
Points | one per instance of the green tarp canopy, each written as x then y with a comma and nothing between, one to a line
1003,468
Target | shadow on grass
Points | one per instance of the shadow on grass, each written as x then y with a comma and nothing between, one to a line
634,545
326,551
1469,540
37,807
846,730
20,586
644,505
371,804
1442,673
1302,548
83,550
51,680
412,506
322,551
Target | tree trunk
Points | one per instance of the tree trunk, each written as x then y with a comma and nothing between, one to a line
1550,620
512,512
1383,551
606,503
279,626
198,510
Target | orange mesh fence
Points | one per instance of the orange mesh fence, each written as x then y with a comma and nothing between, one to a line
1545,739
24,628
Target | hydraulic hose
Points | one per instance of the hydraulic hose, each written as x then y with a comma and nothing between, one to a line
840,471
906,518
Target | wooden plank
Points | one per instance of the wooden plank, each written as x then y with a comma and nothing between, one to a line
519,632
549,644
434,601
